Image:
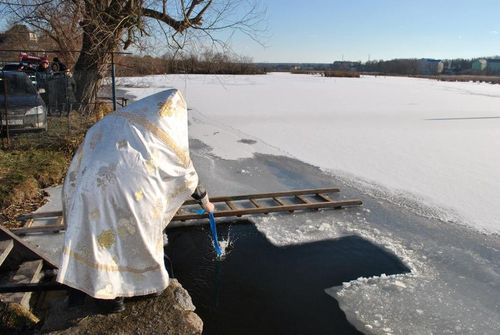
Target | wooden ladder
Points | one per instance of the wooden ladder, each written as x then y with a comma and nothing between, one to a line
228,206
21,266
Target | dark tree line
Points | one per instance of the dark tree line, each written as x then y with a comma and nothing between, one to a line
204,63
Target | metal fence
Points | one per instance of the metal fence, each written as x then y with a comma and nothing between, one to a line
59,95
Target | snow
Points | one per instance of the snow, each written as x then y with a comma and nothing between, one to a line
425,144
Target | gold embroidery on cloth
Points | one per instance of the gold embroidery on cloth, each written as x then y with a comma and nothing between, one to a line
139,195
182,102
182,155
72,178
125,226
178,190
122,231
96,138
106,291
150,167
106,239
157,210
106,267
79,156
159,243
106,175
167,109
138,277
95,215
73,174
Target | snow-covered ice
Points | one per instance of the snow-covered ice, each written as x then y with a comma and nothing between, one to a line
427,148
425,144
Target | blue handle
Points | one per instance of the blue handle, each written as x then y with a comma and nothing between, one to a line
213,229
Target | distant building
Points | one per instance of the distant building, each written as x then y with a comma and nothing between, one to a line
346,66
427,66
18,32
17,37
33,37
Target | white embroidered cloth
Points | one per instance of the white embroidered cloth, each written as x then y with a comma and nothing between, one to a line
126,182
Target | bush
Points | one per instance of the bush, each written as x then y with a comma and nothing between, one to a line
345,74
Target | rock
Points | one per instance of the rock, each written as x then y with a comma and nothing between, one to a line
183,299
170,313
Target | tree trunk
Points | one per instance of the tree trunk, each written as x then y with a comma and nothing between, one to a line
92,67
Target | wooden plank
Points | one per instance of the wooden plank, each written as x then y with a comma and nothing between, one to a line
231,205
5,248
255,203
29,223
41,215
281,203
28,273
324,197
303,199
54,228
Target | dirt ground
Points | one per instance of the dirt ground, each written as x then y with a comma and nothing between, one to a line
170,313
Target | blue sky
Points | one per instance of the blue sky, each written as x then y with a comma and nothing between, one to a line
328,30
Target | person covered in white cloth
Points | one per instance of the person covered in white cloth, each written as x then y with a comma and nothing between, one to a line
127,180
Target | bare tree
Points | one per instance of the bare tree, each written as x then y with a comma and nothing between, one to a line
106,26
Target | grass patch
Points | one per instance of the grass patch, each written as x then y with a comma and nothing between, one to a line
34,161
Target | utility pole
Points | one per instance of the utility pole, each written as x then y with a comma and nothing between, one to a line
113,84
6,142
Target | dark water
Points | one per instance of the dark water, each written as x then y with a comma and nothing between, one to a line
263,289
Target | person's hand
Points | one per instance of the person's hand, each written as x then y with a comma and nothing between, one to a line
208,206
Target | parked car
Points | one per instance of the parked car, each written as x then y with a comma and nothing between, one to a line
27,68
21,107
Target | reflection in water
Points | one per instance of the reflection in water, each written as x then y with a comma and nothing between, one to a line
260,288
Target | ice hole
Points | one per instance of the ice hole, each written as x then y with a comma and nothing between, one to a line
260,288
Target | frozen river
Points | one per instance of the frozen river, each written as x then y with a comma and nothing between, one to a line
432,146
422,155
